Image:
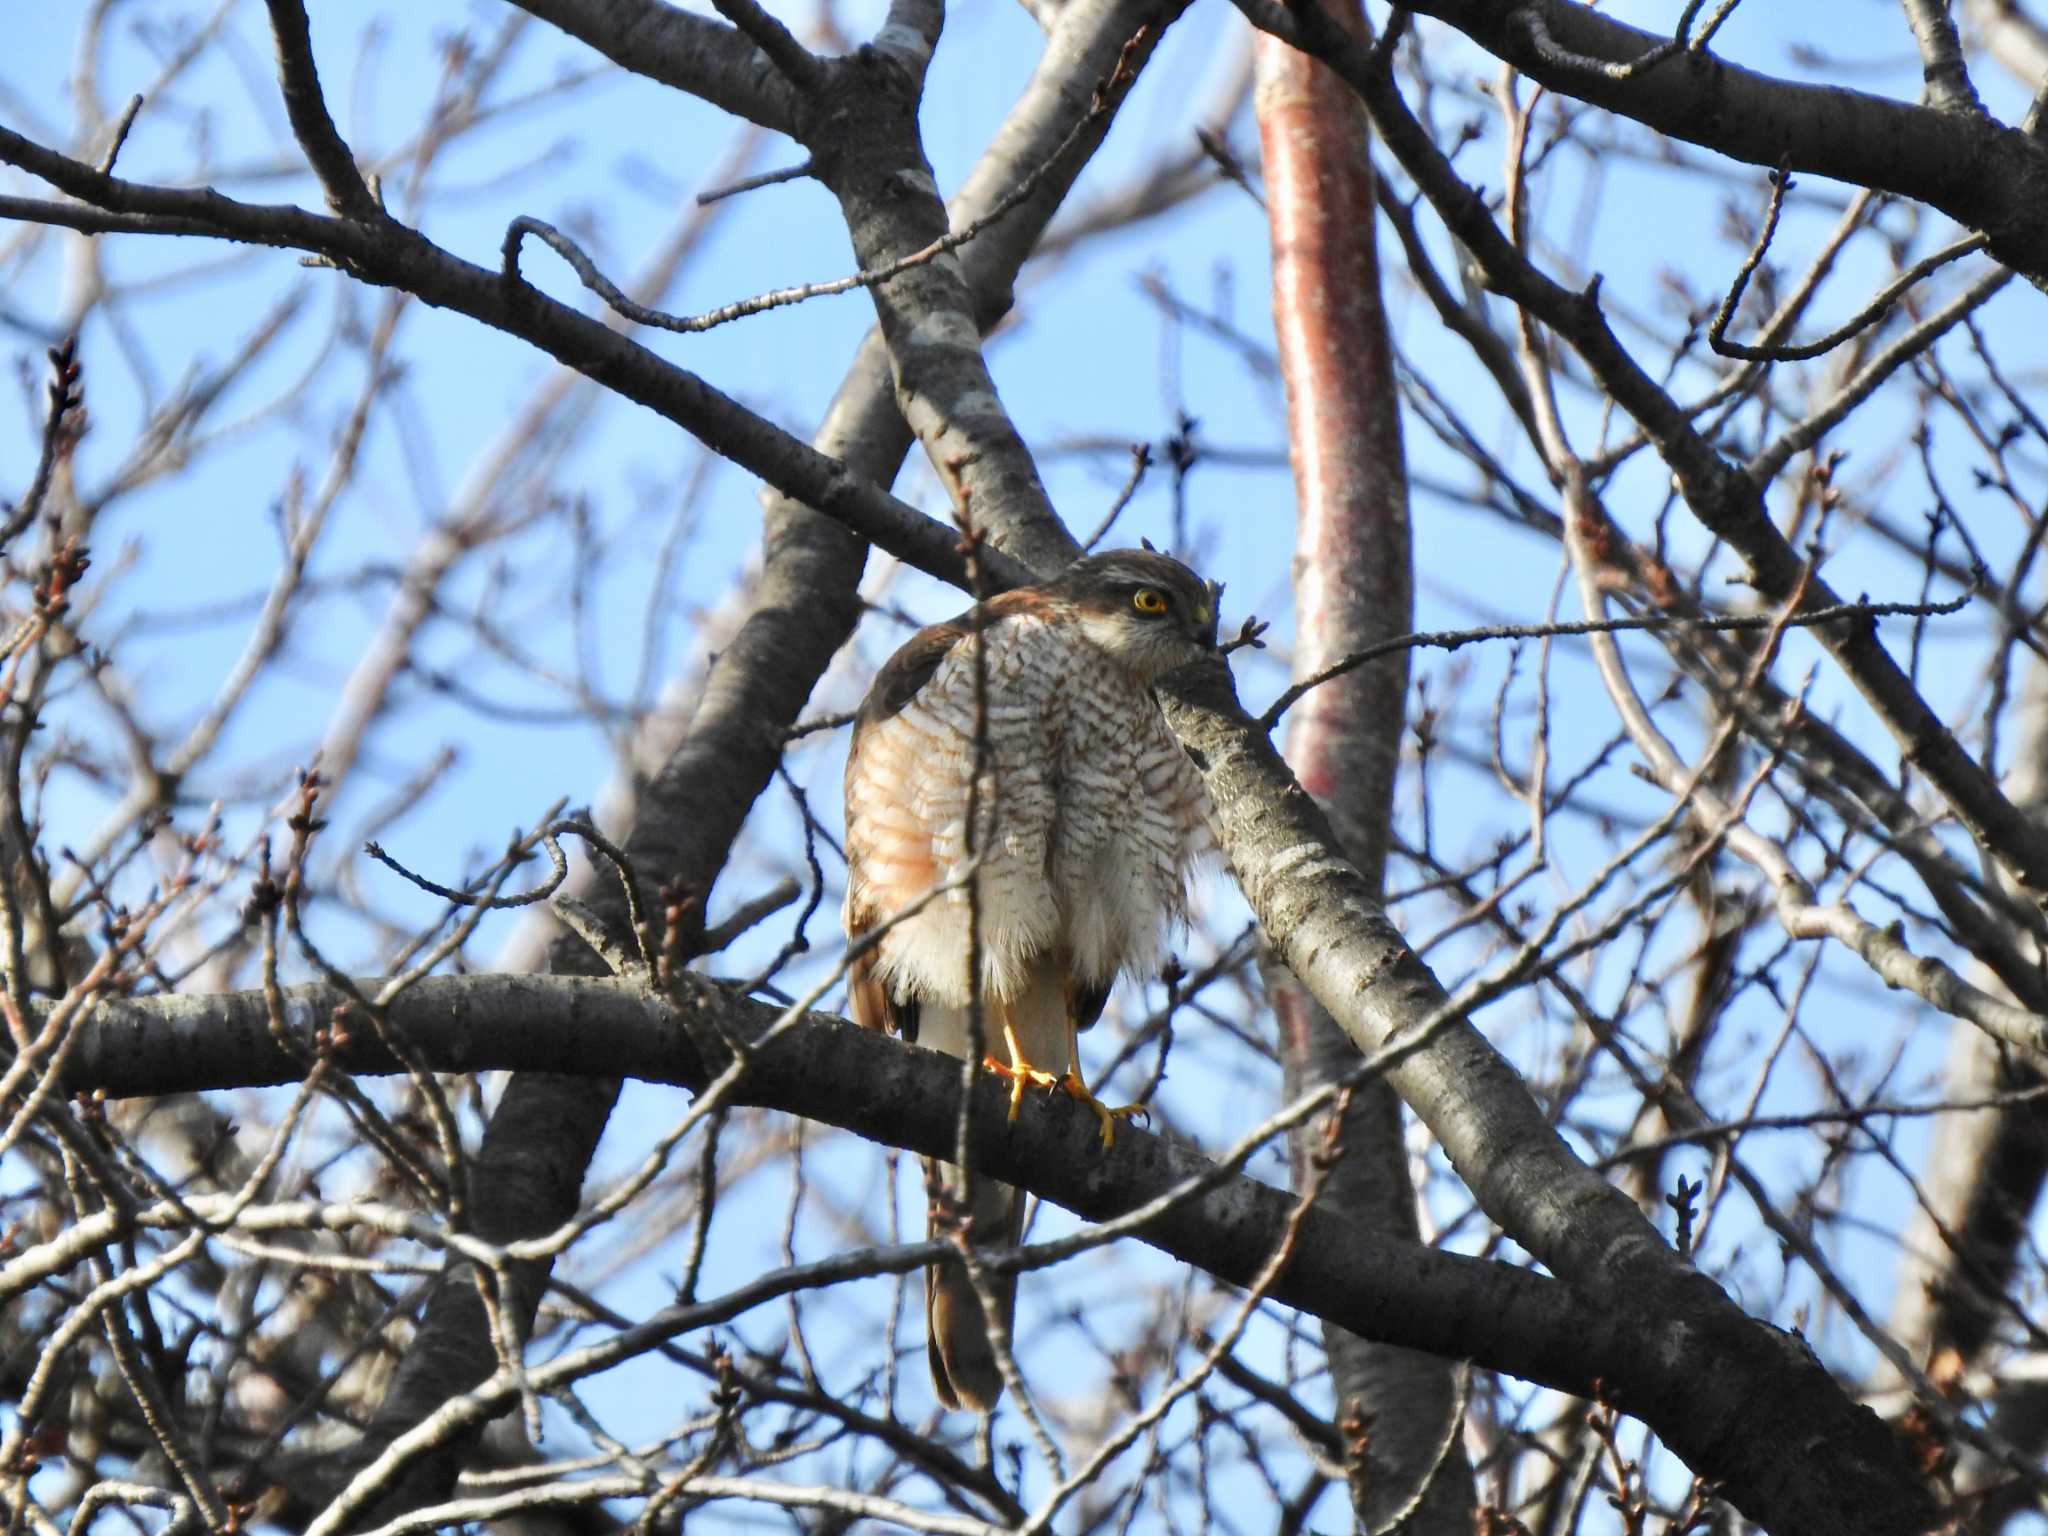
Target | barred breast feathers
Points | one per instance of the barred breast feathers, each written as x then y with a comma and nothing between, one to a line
1088,814
909,784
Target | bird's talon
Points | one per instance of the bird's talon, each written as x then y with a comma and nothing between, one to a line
1105,1115
1021,1076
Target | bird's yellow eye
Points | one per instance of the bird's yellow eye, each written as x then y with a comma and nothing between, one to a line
1149,600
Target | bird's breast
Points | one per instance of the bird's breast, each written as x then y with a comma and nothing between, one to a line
1122,841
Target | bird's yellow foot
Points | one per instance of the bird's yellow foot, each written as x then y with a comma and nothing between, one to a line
1022,1075
1107,1116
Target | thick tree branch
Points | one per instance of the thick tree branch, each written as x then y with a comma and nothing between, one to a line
668,44
1983,1181
393,255
1329,927
1763,1404
1728,500
862,131
795,61
1327,922
1941,56
299,81
1979,172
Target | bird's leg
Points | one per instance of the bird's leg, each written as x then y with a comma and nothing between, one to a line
1077,1088
1021,1073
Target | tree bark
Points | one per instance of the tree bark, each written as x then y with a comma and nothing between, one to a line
1985,1173
1739,1401
1398,1410
1334,936
529,1171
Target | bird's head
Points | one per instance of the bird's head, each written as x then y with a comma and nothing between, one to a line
1146,610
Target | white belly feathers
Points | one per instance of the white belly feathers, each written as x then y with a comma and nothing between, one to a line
1089,817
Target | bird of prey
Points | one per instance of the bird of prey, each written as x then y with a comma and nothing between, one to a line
1086,817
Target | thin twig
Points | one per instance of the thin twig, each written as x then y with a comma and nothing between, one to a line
1106,96
748,914
472,898
1869,315
1553,52
753,183
1451,640
122,125
1141,460
64,396
816,723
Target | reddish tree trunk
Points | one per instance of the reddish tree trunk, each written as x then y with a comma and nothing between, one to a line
1351,587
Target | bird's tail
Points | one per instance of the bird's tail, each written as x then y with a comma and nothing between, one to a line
963,1362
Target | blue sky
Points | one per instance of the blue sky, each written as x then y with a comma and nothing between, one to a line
1087,356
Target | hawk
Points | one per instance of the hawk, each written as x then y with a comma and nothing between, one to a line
1086,818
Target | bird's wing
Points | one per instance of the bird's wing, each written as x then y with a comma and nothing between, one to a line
889,859
908,792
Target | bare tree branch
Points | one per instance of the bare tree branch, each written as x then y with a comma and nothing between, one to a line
1725,498
675,47
1333,935
1352,588
1963,163
1634,1336
299,81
